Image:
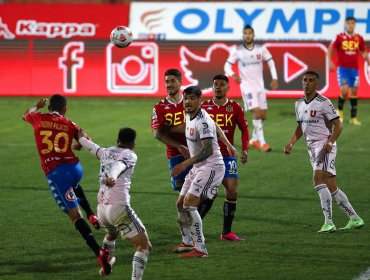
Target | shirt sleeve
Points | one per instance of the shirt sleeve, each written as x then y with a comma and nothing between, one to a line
329,111
117,168
32,117
243,126
93,148
362,45
266,55
206,128
157,118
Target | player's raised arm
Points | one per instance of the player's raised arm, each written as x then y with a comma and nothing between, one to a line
40,104
89,145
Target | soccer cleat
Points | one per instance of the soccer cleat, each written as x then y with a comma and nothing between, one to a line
255,143
327,228
354,224
194,254
103,260
94,221
182,248
355,121
231,236
265,148
341,115
111,261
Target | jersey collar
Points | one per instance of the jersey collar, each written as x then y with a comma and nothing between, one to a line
180,101
214,102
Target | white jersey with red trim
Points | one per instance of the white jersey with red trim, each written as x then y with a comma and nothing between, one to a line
198,128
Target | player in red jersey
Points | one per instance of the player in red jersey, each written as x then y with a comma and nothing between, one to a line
169,112
348,44
227,114
53,135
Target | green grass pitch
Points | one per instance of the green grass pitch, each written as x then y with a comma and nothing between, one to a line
278,211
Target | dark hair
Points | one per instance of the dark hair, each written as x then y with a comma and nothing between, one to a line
311,72
221,77
126,136
57,103
174,72
351,18
193,90
248,26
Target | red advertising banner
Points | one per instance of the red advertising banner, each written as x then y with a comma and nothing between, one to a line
97,68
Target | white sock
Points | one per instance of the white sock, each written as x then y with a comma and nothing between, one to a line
138,265
182,218
325,199
196,228
254,134
258,128
109,245
342,201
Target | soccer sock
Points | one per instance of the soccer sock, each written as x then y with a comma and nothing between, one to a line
138,265
258,126
204,207
82,200
254,134
87,234
325,199
353,102
341,101
229,213
342,201
109,245
184,226
196,228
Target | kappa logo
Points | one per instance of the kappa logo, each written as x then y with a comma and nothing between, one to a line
196,67
4,31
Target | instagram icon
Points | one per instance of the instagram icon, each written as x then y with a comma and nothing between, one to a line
133,69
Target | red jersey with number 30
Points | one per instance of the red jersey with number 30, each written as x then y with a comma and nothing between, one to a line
53,134
228,116
171,114
347,48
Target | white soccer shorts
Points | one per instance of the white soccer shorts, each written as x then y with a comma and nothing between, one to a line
120,218
203,181
253,98
320,160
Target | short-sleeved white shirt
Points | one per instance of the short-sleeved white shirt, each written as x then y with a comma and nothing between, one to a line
198,128
315,118
119,194
250,65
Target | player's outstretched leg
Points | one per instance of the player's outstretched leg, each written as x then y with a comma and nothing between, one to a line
85,205
109,245
140,258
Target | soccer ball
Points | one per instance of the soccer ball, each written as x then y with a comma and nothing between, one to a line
121,36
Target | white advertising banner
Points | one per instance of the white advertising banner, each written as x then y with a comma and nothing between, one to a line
225,21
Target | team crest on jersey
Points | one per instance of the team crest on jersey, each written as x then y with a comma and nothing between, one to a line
70,195
356,38
258,56
191,131
229,108
313,113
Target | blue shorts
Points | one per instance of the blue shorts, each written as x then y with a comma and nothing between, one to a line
178,181
61,181
348,76
231,167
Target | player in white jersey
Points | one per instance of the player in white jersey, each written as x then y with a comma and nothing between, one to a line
319,123
250,58
114,211
205,176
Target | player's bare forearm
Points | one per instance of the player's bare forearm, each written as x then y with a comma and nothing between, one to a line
162,135
40,104
337,130
296,136
205,152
